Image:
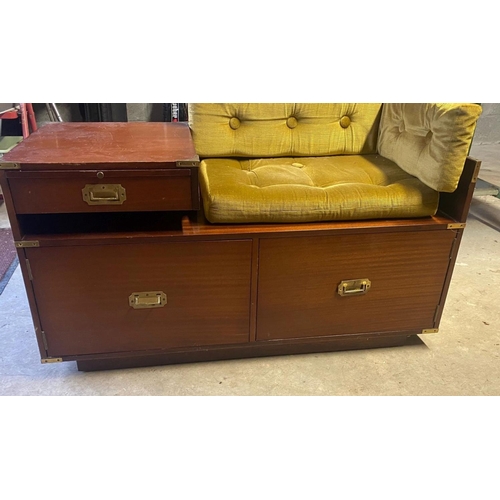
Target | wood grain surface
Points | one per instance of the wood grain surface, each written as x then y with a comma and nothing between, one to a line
200,227
271,348
55,193
82,295
143,144
457,204
298,279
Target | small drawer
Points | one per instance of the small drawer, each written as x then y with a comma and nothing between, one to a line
104,191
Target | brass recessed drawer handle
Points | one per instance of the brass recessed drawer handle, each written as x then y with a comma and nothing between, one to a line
104,194
146,300
354,287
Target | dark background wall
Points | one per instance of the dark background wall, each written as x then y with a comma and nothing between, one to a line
487,131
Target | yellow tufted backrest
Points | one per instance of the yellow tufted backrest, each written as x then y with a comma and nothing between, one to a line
429,141
273,130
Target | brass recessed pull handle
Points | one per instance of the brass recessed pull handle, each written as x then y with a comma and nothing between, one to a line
104,194
147,300
354,287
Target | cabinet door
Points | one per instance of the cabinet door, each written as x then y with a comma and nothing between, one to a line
84,295
299,278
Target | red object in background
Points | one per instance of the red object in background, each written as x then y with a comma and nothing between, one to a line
27,115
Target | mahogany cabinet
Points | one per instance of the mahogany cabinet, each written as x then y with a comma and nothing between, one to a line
122,270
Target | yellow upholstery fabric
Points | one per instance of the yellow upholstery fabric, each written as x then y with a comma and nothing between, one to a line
273,130
429,141
299,189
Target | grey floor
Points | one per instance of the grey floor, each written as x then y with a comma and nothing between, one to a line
489,154
462,359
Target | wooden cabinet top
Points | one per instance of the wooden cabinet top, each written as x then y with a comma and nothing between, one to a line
105,144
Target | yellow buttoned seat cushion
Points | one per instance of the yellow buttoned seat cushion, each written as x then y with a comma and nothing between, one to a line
306,189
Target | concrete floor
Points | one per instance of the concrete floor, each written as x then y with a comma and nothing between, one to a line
489,154
4,220
462,359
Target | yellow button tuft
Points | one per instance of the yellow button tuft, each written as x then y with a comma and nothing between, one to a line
292,122
345,121
234,123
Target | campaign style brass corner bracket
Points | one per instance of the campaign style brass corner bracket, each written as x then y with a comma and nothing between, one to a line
190,162
6,165
27,244
430,330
